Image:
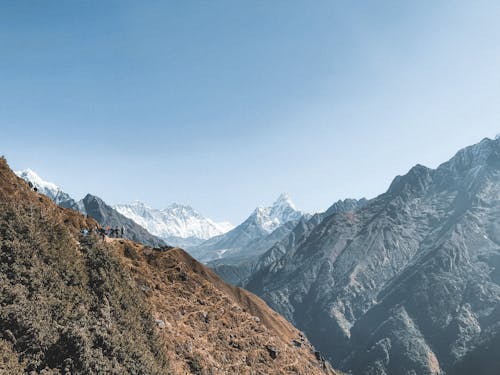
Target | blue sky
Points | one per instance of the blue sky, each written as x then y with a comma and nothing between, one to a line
225,104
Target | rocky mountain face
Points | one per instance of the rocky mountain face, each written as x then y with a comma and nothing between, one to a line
72,304
237,269
407,284
255,235
345,205
178,224
302,231
108,216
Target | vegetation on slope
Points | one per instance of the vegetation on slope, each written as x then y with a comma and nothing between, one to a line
77,304
67,306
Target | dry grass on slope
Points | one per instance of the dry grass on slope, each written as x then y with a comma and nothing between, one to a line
16,195
210,327
72,304
66,304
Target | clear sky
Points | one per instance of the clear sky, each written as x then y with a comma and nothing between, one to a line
224,104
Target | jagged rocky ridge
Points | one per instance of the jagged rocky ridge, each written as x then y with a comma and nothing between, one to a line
409,283
237,269
77,304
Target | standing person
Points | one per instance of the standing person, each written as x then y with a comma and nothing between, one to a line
117,232
122,231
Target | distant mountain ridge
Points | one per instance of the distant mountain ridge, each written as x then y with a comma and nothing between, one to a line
179,225
262,227
237,268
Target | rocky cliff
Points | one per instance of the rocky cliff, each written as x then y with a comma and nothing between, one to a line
409,283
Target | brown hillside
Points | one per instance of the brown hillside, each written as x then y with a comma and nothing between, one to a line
210,327
71,304
15,194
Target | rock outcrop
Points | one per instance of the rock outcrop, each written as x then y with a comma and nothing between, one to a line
108,216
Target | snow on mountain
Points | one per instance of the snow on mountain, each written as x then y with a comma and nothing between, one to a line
282,211
175,221
407,284
180,225
262,227
49,189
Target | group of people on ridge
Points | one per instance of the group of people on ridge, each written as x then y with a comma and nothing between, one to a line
105,231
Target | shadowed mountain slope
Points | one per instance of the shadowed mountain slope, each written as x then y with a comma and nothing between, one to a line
409,283
238,268
108,216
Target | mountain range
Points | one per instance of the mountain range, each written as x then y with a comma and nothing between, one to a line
177,224
73,303
256,234
181,225
92,206
406,283
409,283
236,267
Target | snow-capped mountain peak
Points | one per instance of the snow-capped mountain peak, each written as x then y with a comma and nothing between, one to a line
280,212
181,210
49,189
175,221
38,182
263,228
284,200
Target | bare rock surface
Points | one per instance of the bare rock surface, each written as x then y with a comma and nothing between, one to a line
407,284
